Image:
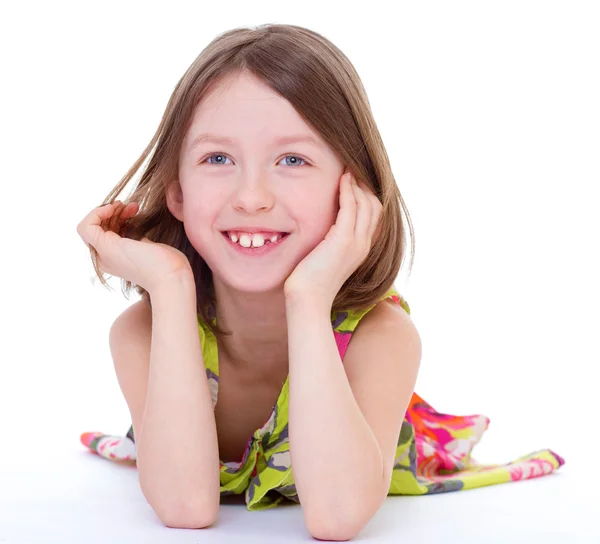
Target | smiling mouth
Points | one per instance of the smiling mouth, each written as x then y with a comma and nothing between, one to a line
247,241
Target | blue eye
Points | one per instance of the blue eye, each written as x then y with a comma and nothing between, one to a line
216,155
224,157
295,157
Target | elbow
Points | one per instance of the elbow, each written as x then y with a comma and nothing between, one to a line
341,523
332,530
327,526
197,511
189,515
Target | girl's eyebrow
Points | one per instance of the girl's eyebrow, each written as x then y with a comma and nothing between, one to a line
281,140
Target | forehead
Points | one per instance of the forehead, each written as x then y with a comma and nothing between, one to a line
243,107
240,91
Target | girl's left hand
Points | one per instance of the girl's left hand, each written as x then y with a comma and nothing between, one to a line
325,269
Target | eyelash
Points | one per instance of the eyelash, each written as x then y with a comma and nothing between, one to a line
225,155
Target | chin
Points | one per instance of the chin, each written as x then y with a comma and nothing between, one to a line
249,282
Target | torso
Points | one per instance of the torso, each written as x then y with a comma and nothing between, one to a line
244,404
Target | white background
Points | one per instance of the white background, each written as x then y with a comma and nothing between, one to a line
490,115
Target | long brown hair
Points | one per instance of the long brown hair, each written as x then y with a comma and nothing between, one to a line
322,85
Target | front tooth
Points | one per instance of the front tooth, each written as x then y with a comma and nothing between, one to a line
258,240
245,240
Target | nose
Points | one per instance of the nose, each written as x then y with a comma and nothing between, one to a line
252,195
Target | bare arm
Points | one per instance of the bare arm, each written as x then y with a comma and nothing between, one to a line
356,407
324,420
173,418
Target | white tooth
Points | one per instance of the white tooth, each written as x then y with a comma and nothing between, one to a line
274,238
245,240
233,237
258,240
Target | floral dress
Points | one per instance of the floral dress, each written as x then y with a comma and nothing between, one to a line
433,454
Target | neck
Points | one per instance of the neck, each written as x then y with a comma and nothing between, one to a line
258,326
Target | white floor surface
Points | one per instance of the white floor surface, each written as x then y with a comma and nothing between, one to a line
75,497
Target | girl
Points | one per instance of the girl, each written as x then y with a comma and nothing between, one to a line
265,233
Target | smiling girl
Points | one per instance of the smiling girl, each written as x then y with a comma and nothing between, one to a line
270,354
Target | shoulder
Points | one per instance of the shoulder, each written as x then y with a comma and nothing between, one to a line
385,333
133,322
389,318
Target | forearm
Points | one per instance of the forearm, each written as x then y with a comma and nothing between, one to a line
336,460
177,451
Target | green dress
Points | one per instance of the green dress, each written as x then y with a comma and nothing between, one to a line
433,453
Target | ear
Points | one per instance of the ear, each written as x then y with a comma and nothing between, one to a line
174,198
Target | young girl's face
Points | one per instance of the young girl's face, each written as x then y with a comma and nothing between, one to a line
254,180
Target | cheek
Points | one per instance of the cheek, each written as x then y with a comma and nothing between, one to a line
316,215
198,218
202,204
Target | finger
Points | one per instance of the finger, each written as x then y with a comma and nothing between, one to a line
99,214
363,214
113,223
90,227
93,236
376,209
131,208
375,227
120,217
129,211
107,221
346,218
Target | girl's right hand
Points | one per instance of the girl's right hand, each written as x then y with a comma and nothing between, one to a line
145,263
